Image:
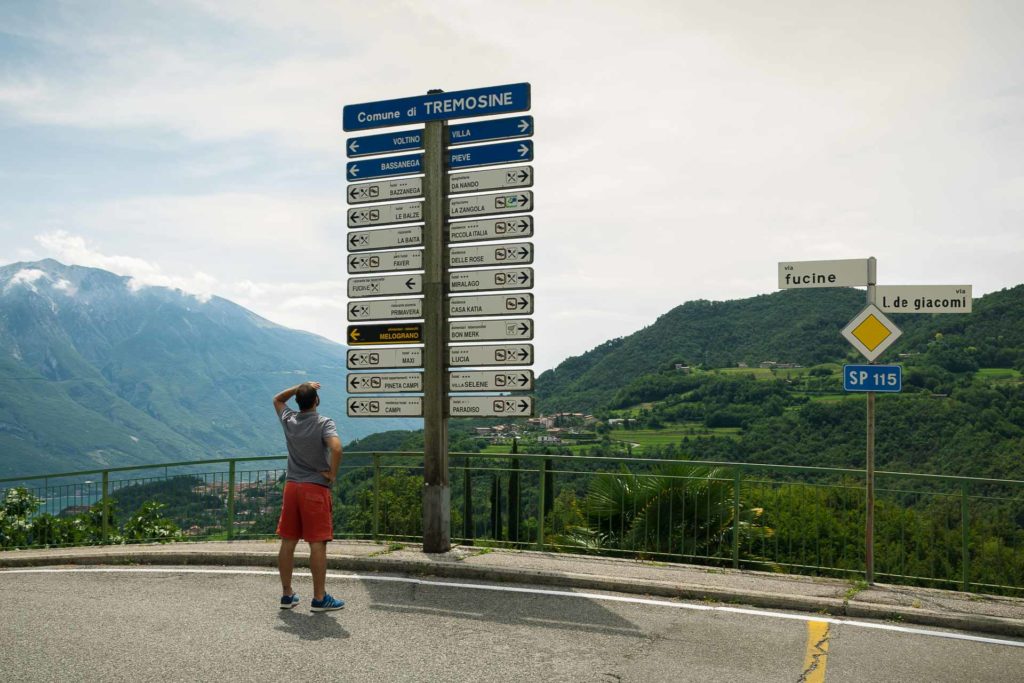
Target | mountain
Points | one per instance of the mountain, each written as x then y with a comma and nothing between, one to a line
796,326
98,372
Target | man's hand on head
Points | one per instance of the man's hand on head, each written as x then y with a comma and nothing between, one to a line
315,385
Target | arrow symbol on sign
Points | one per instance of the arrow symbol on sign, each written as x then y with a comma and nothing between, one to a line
523,406
354,171
524,252
354,334
523,199
524,328
523,302
523,150
523,354
353,192
523,175
523,380
356,310
354,382
524,277
409,283
354,262
523,225
524,125
354,146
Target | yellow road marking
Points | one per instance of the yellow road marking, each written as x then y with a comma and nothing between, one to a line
816,657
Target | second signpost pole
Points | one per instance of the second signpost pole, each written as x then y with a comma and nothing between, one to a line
436,488
869,522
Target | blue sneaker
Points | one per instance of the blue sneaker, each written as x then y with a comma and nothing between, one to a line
289,601
326,605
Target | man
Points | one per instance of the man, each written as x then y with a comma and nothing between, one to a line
306,508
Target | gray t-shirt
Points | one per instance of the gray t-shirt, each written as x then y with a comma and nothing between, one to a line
308,455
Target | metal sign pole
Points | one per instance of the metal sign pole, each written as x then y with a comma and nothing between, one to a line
869,525
436,489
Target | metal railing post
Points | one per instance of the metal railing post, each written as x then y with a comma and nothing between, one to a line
737,481
540,504
468,532
231,500
965,538
376,496
106,506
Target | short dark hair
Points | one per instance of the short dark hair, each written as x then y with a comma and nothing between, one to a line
305,396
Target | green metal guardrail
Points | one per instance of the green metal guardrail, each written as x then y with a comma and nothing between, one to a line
943,530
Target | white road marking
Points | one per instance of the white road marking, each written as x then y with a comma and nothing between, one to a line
535,591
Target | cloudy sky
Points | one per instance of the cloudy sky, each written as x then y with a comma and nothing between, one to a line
682,148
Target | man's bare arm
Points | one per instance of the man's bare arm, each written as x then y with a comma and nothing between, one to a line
334,443
281,400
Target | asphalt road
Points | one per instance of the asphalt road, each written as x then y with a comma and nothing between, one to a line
143,624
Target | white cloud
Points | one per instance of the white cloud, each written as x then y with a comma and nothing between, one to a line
26,277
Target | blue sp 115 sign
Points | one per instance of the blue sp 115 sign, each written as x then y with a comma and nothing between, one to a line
499,99
884,378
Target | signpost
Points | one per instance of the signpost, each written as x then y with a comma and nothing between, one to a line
367,240
491,229
490,406
871,333
884,378
429,153
385,382
385,309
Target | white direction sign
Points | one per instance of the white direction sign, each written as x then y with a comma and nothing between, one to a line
842,273
490,406
489,280
386,406
491,380
491,179
490,304
871,332
510,329
511,253
385,309
388,238
365,359
384,285
924,298
486,355
385,190
384,382
490,204
491,229
385,214
385,261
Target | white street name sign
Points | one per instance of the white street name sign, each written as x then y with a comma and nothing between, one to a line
490,406
388,238
491,380
490,280
384,285
384,382
364,359
490,354
924,298
385,309
386,406
490,204
491,229
385,214
511,253
491,179
511,329
871,333
490,304
385,261
842,273
385,190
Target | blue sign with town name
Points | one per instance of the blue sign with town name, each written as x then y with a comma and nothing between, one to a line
491,155
496,129
887,378
468,157
499,99
458,134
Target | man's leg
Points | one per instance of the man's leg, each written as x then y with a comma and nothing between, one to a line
285,563
318,567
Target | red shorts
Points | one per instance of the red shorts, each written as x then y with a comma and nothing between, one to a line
306,512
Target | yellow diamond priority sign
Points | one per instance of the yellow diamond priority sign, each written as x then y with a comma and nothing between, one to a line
871,332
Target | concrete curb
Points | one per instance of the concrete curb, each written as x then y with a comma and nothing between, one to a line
824,606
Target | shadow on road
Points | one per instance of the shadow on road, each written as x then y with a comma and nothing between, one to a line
310,626
513,609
